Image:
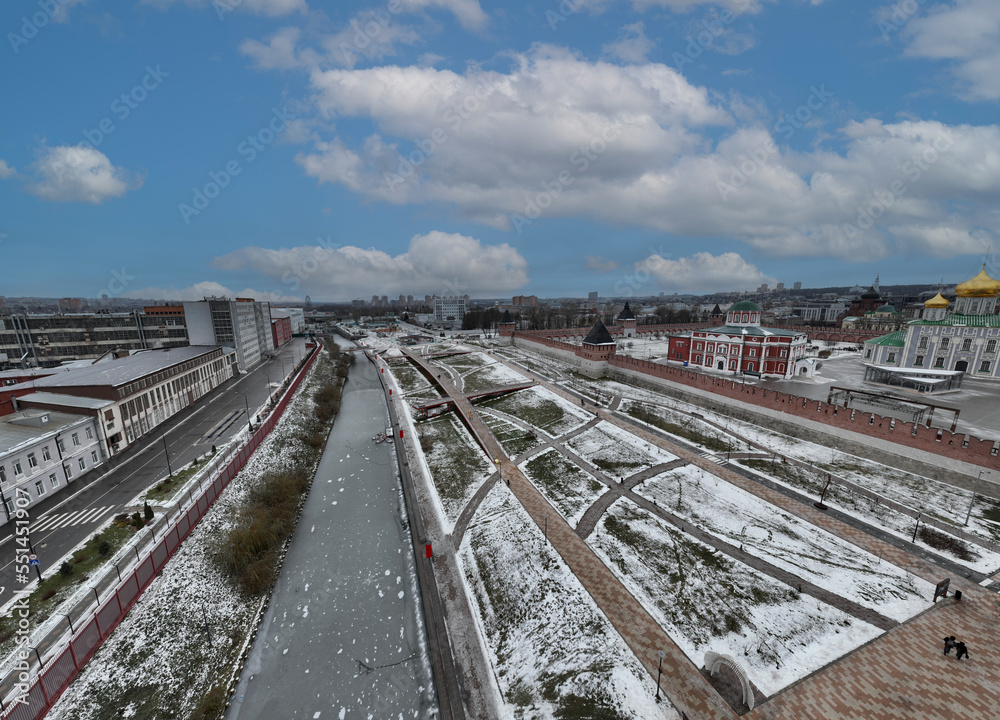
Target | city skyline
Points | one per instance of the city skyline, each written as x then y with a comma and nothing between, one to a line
451,147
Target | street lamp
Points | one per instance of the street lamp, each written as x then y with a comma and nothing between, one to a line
974,491
546,527
917,526
246,404
165,452
659,672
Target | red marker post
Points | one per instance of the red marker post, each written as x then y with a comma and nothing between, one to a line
428,550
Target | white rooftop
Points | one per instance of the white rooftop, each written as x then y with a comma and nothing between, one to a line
66,400
14,436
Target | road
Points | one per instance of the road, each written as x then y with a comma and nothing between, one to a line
64,520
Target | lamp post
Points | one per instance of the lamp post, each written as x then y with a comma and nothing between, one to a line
917,526
659,672
974,491
546,527
246,404
167,454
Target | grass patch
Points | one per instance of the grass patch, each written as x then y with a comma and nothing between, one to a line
946,543
567,486
541,412
456,464
513,439
686,431
59,585
408,377
167,489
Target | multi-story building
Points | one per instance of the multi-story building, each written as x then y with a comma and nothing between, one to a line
42,452
47,340
524,301
296,315
242,324
449,311
281,330
129,396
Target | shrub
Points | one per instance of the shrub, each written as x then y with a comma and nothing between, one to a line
137,520
104,548
65,569
147,511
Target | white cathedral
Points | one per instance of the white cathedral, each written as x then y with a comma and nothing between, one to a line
946,344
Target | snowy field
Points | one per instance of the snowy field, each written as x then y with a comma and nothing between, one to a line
617,451
512,438
566,485
744,520
554,653
543,409
457,464
707,601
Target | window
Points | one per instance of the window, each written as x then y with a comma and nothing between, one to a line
39,488
83,464
985,367
966,345
90,433
939,363
76,439
919,360
53,481
32,460
868,353
93,456
923,342
891,358
46,455
784,353
3,475
17,468
62,445
991,346
944,342
68,470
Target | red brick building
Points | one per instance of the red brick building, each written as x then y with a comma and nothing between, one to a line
281,330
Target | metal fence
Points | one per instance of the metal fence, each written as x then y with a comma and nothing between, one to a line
56,661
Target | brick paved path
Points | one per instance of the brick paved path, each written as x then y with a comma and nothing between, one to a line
902,674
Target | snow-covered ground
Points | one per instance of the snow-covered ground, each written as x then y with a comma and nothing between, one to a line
617,451
706,601
551,647
566,485
543,409
457,464
767,532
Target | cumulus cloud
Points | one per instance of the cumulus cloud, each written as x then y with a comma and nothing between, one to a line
595,262
79,174
201,290
967,33
6,171
632,45
703,272
436,262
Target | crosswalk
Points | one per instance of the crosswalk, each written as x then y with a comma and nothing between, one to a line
717,459
80,517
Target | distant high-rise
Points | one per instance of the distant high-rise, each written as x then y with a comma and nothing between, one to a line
797,286
374,300
779,287
592,297
762,288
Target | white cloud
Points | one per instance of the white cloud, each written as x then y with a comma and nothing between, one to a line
79,174
469,13
703,272
6,171
595,262
632,45
201,290
268,8
278,52
967,33
436,262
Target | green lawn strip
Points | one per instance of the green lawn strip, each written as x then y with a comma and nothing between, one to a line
567,486
168,488
55,588
513,439
455,462
687,430
408,377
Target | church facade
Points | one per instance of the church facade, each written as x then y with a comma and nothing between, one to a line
742,345
935,352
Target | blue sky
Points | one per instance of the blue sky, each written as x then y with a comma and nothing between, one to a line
176,148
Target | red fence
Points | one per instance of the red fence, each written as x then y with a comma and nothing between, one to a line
52,680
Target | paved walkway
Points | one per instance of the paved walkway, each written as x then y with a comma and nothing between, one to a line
902,674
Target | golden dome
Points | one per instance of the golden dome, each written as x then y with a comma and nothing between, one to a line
980,286
937,302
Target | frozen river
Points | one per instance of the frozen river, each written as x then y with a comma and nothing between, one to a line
344,637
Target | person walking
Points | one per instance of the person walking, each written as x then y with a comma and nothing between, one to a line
961,651
949,643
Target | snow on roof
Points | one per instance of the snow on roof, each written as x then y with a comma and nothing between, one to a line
124,370
14,436
47,398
